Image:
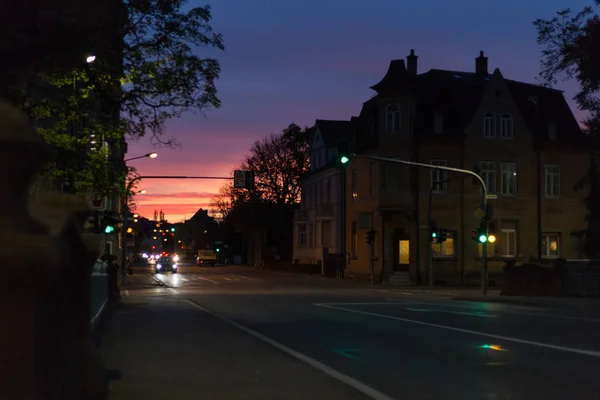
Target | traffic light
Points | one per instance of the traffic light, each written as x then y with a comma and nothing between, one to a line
434,230
109,222
370,237
443,235
217,249
480,235
129,230
344,153
491,232
172,229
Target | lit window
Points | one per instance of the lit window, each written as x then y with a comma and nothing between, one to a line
550,245
445,249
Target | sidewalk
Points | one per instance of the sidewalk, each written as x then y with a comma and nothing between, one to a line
164,348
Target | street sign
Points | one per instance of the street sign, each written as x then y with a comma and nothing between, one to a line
492,197
479,214
97,200
243,179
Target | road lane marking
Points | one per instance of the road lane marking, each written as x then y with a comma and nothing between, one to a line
450,312
208,280
469,331
348,380
247,278
346,353
498,307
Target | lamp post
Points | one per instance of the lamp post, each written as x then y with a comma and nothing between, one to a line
125,214
149,155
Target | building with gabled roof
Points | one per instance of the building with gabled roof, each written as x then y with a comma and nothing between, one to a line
318,224
521,138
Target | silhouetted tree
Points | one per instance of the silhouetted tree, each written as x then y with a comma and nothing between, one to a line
571,48
147,70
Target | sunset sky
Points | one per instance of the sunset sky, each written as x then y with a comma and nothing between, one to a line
296,61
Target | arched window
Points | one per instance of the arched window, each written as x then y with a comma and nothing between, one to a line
506,126
392,118
489,125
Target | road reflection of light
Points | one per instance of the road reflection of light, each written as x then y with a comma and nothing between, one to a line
495,347
175,279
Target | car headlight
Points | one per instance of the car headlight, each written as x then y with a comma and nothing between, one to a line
158,266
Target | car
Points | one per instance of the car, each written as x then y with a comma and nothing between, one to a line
164,264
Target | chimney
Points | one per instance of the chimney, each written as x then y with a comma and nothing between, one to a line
411,63
481,65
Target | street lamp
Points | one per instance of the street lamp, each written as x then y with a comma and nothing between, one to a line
149,155
90,59
125,213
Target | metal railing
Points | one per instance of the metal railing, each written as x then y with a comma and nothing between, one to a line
582,278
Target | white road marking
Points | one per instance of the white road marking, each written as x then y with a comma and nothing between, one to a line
209,280
450,312
348,380
247,278
498,309
592,353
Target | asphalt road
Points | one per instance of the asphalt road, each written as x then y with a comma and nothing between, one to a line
342,340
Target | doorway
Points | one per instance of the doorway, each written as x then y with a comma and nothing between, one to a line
401,251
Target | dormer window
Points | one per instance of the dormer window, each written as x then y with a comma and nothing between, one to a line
506,126
438,123
552,134
392,118
489,125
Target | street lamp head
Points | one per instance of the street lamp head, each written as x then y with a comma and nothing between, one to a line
152,155
142,191
90,59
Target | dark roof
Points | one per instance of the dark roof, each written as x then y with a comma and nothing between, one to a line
457,96
332,131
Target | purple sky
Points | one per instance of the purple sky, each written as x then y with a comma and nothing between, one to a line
296,61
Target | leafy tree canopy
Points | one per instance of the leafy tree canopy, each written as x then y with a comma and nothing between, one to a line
571,44
147,70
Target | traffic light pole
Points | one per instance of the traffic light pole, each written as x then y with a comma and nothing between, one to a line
484,200
125,209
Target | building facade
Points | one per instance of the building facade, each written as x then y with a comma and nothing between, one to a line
318,224
522,139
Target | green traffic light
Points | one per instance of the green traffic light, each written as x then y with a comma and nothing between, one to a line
172,229
109,229
482,238
218,250
434,234
344,159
